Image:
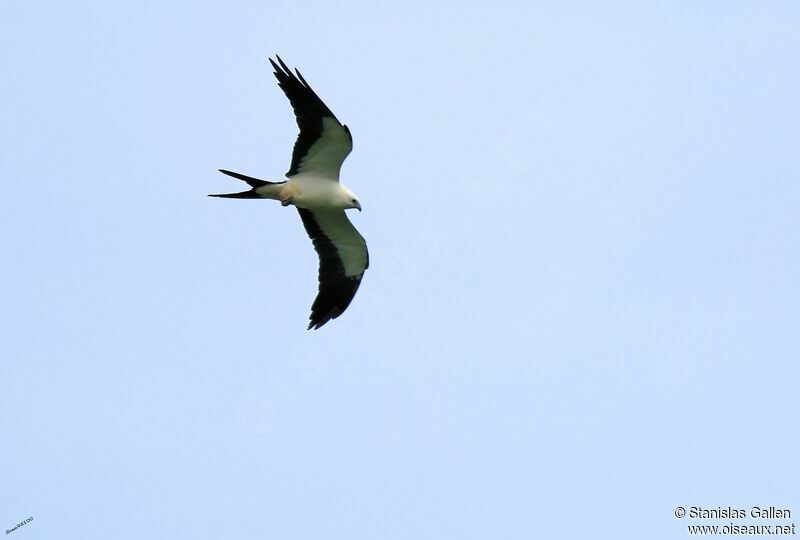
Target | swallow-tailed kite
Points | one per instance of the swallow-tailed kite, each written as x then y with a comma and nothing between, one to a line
313,187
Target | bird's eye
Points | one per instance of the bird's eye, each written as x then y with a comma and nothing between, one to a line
353,201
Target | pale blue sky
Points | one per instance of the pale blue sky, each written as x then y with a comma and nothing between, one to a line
583,302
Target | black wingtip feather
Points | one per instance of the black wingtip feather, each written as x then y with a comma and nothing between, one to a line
274,65
283,65
333,299
300,76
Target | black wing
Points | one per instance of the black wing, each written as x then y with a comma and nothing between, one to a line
343,258
323,142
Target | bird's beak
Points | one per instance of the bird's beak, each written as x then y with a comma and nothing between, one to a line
358,205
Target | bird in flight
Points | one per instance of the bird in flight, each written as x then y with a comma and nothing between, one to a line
313,187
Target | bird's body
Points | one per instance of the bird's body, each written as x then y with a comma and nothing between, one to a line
310,191
313,186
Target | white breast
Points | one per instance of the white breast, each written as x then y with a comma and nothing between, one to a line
316,192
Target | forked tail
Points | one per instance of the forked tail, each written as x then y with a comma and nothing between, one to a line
254,183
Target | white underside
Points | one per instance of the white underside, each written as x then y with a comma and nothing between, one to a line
310,191
317,192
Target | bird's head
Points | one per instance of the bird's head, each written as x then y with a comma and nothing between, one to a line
349,199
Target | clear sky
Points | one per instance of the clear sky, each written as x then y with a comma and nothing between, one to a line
583,302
